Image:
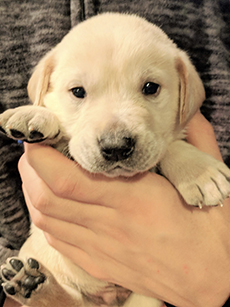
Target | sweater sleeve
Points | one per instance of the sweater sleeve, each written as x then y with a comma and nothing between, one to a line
14,219
29,29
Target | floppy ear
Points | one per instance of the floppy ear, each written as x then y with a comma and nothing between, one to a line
39,82
192,93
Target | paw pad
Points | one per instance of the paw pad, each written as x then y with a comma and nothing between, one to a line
33,263
21,278
16,264
10,289
34,134
17,134
8,274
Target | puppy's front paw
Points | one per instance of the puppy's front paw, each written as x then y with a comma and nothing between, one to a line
22,279
31,124
207,183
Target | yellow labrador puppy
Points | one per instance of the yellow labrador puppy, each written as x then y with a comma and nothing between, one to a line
115,95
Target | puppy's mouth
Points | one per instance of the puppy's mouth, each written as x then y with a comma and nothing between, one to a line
120,171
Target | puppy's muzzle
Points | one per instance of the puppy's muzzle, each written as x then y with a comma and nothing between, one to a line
115,147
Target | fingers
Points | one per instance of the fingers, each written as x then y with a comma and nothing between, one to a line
98,265
40,199
64,177
59,228
68,180
109,270
77,255
200,133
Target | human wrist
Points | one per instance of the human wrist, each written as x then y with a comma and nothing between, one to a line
214,287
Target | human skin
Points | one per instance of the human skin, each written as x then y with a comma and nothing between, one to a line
135,232
11,303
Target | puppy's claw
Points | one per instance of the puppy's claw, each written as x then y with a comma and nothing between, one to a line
221,204
200,205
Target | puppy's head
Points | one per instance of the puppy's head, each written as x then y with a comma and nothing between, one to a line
121,89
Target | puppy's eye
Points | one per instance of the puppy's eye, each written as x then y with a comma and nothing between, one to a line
79,92
150,88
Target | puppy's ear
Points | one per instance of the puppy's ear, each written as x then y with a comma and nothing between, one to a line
192,93
39,82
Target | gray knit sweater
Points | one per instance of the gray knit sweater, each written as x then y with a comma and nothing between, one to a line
29,28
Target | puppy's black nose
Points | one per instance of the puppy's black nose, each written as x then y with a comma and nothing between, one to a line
116,149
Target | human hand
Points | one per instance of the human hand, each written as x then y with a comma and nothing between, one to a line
135,232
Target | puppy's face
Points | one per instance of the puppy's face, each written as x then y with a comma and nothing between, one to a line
115,84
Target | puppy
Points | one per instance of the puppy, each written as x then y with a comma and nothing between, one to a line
115,95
